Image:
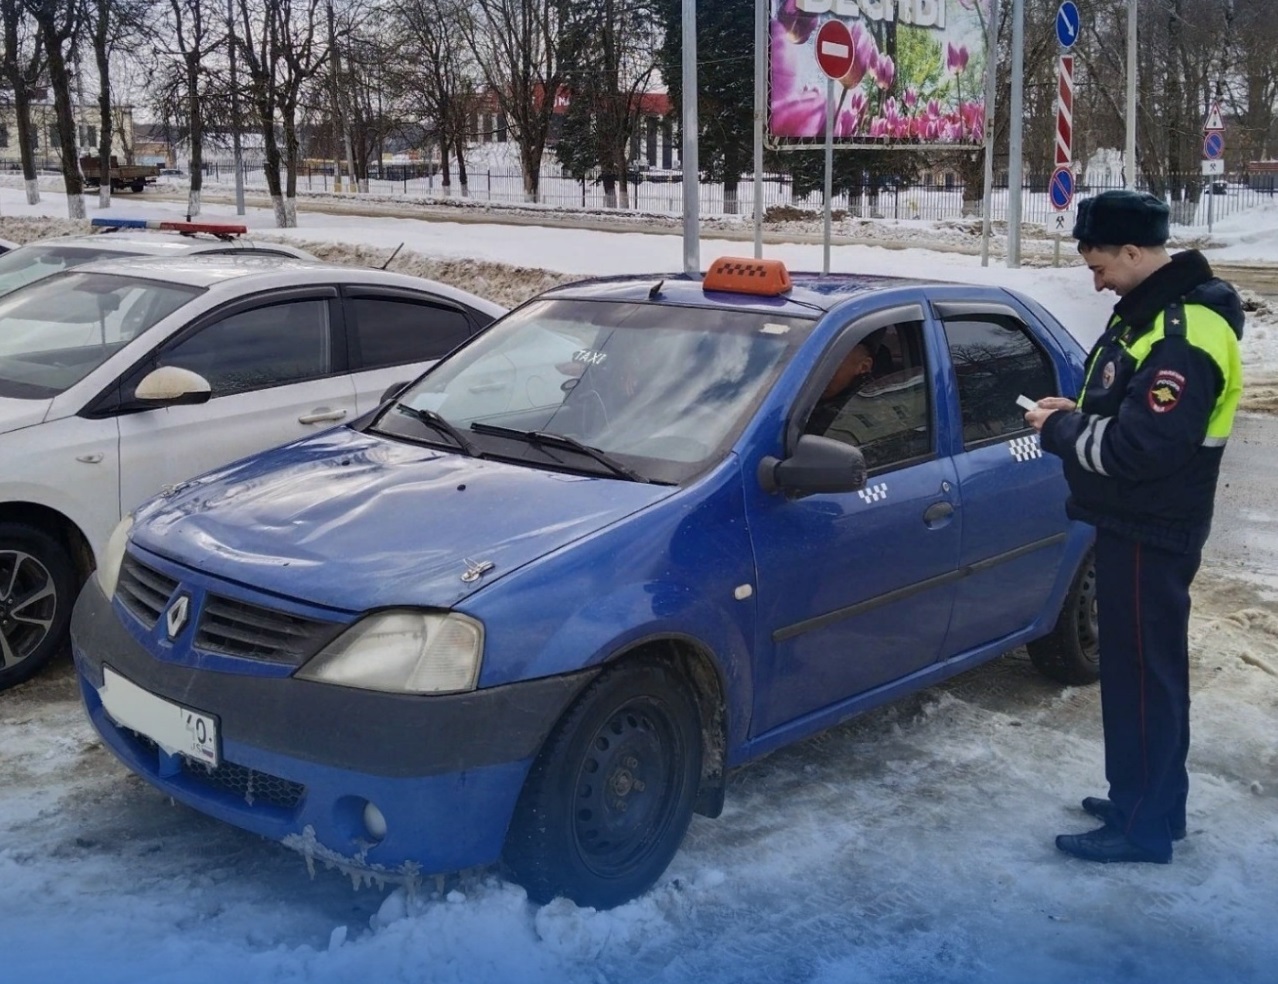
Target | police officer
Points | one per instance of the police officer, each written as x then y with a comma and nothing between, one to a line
1141,453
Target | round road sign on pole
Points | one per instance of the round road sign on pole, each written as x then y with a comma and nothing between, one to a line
1213,145
1067,22
1061,190
834,49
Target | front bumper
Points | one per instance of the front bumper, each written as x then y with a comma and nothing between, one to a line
299,760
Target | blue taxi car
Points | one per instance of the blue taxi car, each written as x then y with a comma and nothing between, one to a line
631,536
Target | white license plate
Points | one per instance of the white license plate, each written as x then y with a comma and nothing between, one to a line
176,729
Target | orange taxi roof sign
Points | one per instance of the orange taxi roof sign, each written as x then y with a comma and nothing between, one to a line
748,275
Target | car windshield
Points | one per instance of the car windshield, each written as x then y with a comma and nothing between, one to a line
36,261
661,391
54,332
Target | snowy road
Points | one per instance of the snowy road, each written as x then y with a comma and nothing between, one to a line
911,844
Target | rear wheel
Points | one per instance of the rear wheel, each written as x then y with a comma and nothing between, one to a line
37,590
138,185
609,799
1070,653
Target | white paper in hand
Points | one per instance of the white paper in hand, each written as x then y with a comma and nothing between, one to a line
1025,403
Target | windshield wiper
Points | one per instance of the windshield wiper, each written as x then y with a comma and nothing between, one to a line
538,438
437,423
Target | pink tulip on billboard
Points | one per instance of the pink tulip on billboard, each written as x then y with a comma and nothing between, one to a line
956,58
852,115
864,56
884,72
800,115
911,97
797,24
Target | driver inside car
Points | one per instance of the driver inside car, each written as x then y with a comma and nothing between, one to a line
868,359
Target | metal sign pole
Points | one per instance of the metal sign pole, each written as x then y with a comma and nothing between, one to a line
829,168
991,87
760,111
1015,169
1129,162
691,166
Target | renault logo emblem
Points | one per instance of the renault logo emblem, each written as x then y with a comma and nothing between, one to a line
176,616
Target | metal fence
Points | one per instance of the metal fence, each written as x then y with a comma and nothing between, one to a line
662,192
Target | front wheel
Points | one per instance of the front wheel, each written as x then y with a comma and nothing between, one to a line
609,799
1070,653
37,589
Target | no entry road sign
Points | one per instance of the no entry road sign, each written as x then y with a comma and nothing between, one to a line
834,49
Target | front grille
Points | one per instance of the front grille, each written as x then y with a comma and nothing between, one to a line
235,628
143,590
247,784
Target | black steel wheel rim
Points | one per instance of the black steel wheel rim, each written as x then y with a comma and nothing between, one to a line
1086,615
625,795
28,605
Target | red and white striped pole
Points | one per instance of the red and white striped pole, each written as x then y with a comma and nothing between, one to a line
1065,111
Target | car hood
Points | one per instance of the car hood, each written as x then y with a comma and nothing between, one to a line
17,414
354,522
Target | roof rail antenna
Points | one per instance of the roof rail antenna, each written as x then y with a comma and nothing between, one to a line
391,257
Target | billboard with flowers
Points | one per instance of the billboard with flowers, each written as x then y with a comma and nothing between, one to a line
917,77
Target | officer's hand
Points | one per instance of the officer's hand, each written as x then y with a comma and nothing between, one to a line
1038,416
1056,403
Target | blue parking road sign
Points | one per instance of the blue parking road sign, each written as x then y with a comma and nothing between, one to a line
1061,190
1067,24
1213,146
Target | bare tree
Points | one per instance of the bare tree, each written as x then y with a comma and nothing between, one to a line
516,44
258,47
23,67
114,24
59,22
439,74
196,33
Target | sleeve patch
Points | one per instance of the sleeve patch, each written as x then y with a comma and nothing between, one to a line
1166,390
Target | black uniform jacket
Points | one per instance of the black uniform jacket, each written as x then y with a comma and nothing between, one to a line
1135,457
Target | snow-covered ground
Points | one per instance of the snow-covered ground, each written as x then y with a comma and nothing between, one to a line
913,844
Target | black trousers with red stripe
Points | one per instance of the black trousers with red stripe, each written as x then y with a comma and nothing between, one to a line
1143,598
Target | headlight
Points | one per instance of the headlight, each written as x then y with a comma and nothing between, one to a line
113,556
403,653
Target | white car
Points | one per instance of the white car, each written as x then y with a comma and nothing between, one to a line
131,237
120,377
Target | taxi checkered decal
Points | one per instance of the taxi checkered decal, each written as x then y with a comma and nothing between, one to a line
874,493
1025,448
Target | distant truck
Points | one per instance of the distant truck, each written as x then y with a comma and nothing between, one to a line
132,176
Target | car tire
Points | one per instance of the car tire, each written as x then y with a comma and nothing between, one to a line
37,590
609,798
1070,653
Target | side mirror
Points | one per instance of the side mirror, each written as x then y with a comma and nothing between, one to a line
819,464
173,386
392,391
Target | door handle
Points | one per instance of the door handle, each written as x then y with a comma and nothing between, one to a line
321,415
936,512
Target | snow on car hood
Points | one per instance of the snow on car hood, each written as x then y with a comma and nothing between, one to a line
17,414
354,521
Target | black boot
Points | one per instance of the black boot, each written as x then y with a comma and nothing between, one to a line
1107,813
1106,844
